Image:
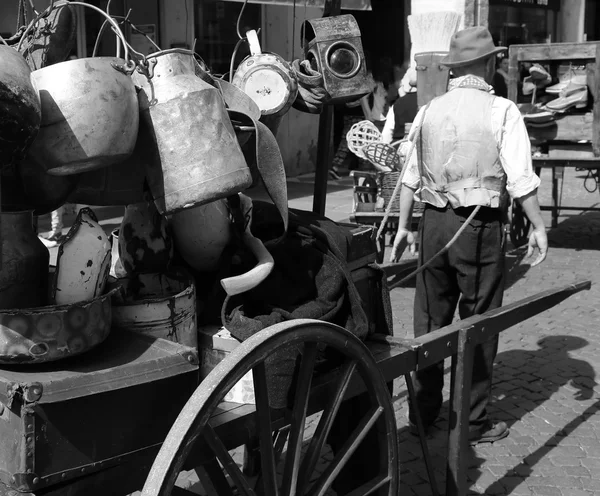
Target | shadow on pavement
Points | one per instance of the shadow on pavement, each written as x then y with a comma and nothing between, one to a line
579,232
529,378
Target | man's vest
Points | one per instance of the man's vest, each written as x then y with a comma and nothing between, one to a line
458,154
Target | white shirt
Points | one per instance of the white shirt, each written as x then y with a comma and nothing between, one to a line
511,134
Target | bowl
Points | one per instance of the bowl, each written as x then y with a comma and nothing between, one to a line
49,333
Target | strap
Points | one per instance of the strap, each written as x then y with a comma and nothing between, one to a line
269,161
490,183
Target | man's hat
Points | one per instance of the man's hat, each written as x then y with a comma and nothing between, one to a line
470,45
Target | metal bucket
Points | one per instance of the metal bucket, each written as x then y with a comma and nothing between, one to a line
90,112
158,305
199,158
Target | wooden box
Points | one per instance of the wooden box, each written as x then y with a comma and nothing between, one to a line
68,419
576,127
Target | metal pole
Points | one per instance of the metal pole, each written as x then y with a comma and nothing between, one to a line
324,145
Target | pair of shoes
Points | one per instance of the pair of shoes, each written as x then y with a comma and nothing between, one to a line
489,433
334,175
572,76
572,96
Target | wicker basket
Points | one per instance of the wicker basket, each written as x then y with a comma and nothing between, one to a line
386,182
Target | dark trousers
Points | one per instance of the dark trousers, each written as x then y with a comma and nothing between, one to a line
471,275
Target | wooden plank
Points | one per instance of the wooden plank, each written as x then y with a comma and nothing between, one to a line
555,51
566,128
547,162
595,89
442,343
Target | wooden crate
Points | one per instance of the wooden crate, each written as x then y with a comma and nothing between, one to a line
569,127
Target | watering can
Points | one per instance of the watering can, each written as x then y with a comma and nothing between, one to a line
199,159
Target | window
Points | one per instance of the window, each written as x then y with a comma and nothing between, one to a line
216,31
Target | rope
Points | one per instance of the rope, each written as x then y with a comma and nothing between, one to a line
439,253
389,206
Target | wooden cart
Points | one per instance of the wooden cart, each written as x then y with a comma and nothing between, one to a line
133,412
573,140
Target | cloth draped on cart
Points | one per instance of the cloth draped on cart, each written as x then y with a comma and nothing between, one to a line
310,280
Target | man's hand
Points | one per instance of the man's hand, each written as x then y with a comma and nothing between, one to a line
539,240
403,239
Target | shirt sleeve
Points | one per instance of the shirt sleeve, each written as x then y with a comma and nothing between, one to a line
515,149
387,134
412,178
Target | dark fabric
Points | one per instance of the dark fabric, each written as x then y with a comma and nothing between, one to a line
310,279
471,276
405,111
499,84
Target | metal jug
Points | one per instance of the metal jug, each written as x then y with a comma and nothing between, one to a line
199,159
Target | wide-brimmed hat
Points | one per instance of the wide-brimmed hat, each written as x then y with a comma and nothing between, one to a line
470,45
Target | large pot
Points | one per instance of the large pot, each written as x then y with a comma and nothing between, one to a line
202,233
20,108
25,261
89,112
199,158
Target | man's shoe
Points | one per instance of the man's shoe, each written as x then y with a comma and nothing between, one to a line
489,433
573,97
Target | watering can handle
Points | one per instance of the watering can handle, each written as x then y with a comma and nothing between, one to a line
249,280
252,37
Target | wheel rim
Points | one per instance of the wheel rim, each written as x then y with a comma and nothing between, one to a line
312,335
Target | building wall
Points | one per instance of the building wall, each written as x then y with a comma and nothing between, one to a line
298,131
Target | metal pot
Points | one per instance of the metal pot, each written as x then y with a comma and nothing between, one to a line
90,112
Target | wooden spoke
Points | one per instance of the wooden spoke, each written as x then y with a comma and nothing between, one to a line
298,419
229,465
349,447
325,422
267,454
371,486
213,479
258,423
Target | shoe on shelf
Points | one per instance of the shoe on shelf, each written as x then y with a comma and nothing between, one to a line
538,115
573,76
574,96
539,76
489,433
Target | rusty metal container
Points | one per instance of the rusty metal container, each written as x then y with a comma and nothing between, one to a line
158,305
199,158
25,261
54,332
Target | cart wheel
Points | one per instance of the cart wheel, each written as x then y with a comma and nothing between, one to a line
309,337
519,226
